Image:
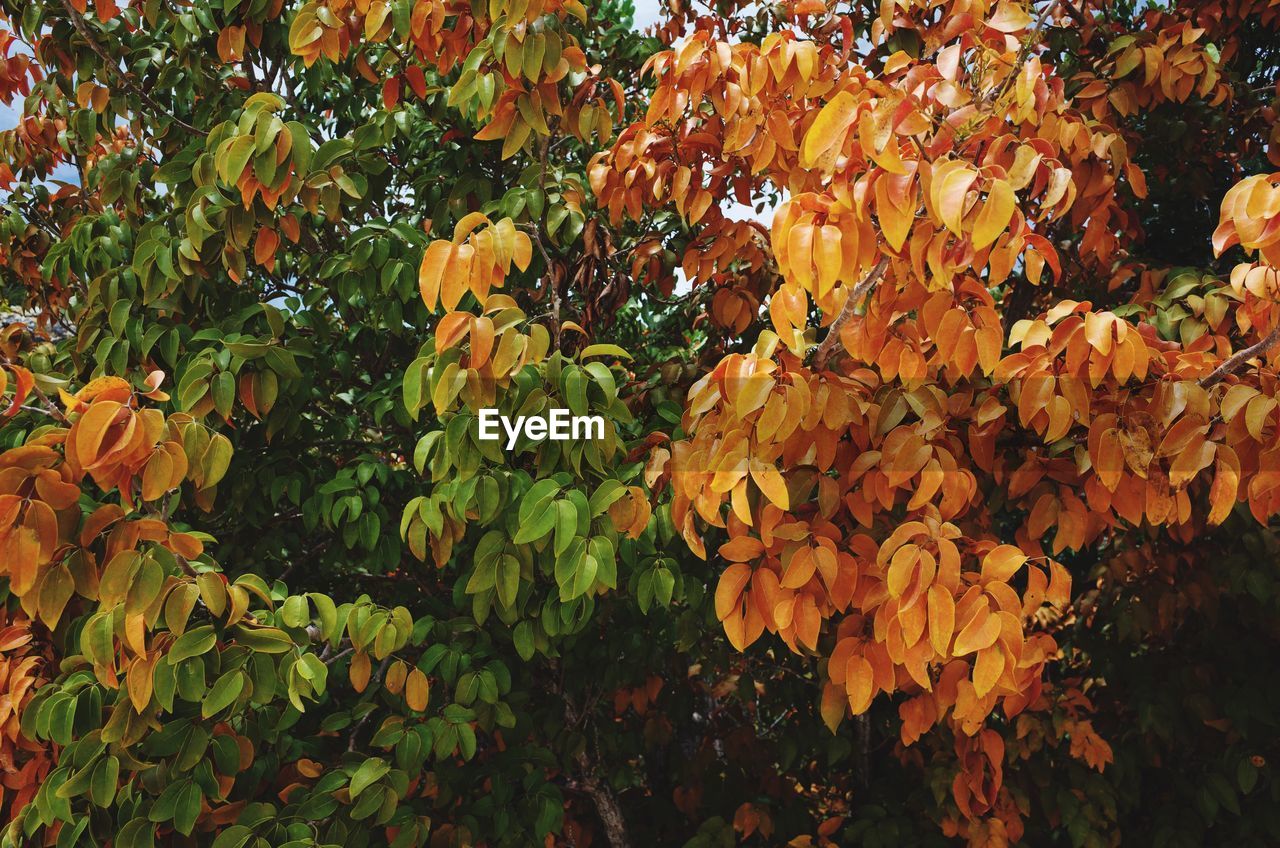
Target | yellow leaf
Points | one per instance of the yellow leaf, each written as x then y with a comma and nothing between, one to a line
832,706
1009,17
995,215
770,481
829,128
951,194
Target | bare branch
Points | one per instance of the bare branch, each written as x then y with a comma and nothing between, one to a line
850,306
1238,359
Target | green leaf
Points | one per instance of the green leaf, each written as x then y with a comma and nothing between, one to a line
102,789
192,643
538,525
522,636
370,771
138,833
1246,776
508,579
566,524
233,159
605,495
223,693
602,350
267,640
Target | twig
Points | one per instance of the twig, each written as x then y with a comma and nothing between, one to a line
850,306
551,281
1025,52
50,405
1238,359
78,22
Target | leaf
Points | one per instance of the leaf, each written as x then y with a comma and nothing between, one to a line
987,670
370,771
942,618
1002,563
995,215
729,589
951,193
435,260
833,706
102,787
538,525
829,128
416,690
223,693
187,808
859,682
193,643
1009,17
769,480
981,632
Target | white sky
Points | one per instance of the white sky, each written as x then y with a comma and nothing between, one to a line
647,12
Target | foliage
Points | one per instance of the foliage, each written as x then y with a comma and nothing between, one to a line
936,498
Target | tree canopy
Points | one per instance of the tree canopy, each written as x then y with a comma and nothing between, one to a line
937,349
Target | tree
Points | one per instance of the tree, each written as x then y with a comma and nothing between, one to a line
935,499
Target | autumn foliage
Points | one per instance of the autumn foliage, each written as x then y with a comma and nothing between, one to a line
937,346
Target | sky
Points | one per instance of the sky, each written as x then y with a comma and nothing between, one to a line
647,12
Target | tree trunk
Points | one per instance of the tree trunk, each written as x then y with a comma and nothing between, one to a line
615,826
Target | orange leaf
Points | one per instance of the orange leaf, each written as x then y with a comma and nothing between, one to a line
742,549
859,682
1002,563
942,618
729,589
987,670
264,247
416,690
360,670
434,261
981,632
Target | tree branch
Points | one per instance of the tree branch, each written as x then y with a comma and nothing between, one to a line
607,807
532,230
1024,52
1238,359
850,306
77,21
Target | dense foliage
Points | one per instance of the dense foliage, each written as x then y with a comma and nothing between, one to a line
938,348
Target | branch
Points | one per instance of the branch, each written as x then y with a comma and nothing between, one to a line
615,826
50,407
555,289
1024,52
850,306
77,21
1238,359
